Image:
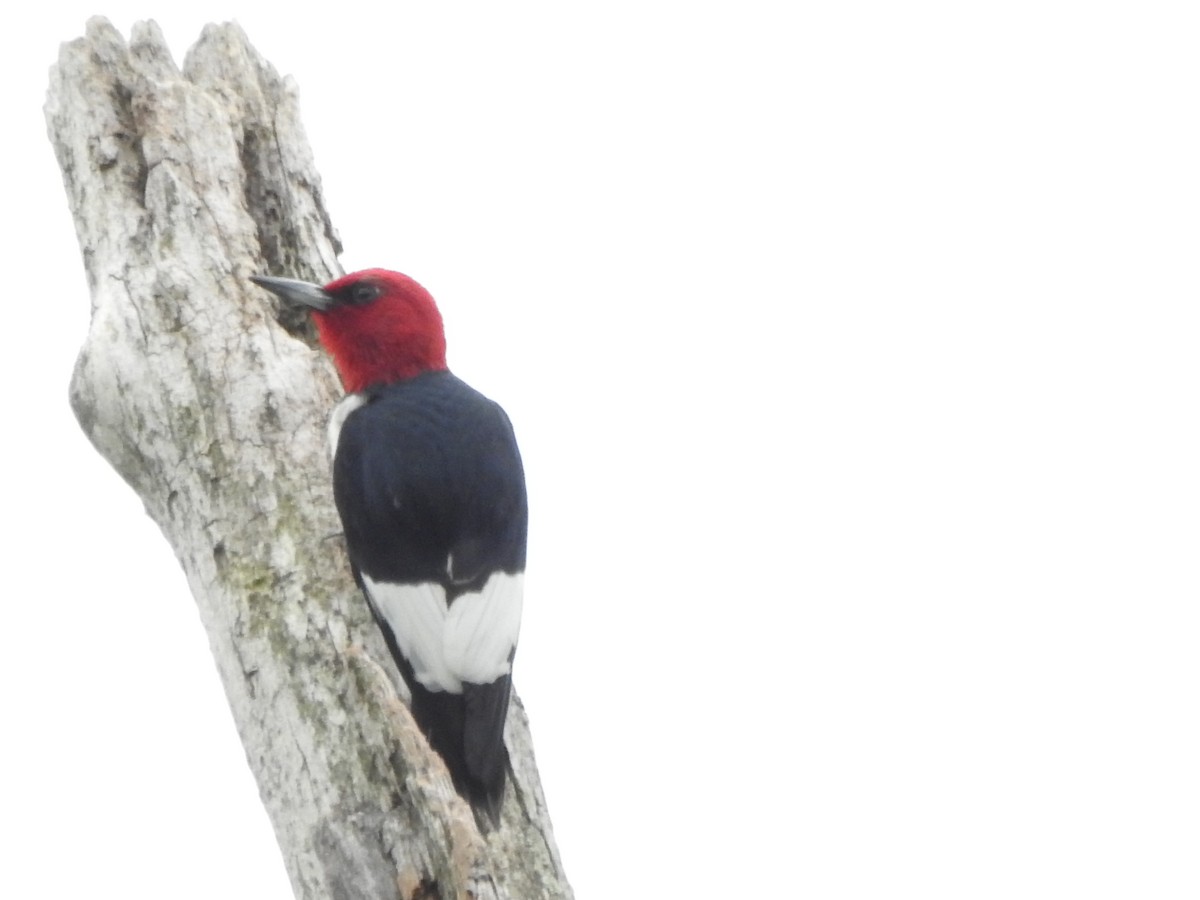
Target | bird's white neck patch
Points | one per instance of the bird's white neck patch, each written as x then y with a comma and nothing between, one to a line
337,418
471,640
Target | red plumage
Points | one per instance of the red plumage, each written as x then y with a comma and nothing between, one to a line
394,337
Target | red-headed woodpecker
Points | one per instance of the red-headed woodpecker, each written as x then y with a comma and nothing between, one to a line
429,485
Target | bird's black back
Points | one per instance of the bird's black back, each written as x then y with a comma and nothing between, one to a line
427,468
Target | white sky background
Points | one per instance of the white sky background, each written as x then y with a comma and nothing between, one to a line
853,352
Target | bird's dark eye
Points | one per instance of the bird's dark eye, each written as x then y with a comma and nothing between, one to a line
363,292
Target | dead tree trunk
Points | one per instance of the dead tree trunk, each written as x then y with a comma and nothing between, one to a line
211,404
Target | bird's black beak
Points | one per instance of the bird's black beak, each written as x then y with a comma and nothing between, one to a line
293,291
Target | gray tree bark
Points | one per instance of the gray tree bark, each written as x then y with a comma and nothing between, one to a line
211,403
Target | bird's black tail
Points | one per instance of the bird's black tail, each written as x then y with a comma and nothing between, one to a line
467,731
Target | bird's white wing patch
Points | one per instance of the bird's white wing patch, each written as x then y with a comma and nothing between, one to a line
416,614
337,418
482,628
471,641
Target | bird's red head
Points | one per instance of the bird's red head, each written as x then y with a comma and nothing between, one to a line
379,326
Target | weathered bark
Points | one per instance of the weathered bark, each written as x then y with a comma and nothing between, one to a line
212,406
